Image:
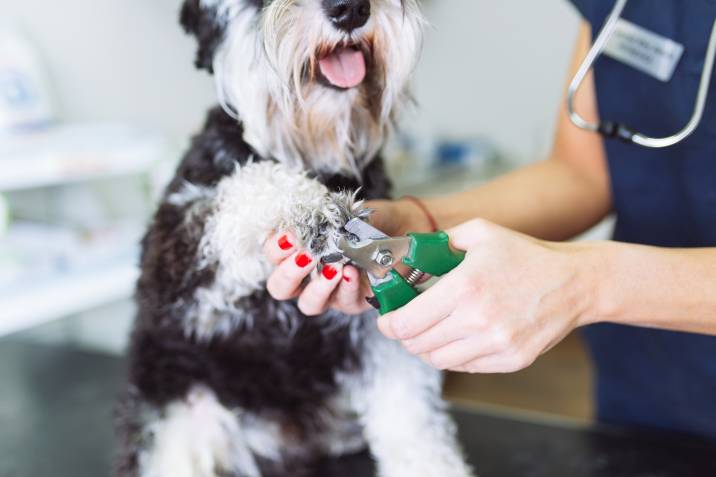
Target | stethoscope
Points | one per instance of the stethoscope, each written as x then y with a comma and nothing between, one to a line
615,130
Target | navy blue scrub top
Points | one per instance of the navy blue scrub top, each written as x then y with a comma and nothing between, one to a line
665,198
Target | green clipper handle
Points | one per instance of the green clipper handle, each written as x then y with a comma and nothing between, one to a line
429,253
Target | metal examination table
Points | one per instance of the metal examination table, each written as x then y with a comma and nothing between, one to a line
55,421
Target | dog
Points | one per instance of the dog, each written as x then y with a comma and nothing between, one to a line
223,380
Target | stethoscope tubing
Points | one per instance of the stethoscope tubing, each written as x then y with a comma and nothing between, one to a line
620,131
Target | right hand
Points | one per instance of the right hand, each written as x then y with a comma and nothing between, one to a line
341,288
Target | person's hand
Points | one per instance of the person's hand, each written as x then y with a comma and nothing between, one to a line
511,300
338,287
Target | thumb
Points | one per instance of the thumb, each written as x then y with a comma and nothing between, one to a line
468,235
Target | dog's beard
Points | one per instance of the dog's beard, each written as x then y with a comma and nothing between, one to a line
268,73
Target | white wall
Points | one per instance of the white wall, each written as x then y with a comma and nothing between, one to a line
496,69
492,68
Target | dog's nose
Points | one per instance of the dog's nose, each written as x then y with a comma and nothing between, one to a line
347,14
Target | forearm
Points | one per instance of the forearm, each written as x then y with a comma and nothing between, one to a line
671,289
549,200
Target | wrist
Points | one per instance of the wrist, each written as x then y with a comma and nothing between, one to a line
416,215
397,217
594,262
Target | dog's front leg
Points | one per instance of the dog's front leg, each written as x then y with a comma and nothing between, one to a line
259,199
406,423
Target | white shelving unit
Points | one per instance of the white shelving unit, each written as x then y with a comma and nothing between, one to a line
65,295
76,153
60,156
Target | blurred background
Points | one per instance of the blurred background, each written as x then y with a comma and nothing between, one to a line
98,99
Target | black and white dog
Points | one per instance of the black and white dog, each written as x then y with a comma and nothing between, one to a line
224,380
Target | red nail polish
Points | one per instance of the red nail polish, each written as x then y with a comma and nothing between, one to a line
346,279
303,260
284,243
329,272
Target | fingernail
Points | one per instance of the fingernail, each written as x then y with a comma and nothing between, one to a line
284,243
303,260
329,272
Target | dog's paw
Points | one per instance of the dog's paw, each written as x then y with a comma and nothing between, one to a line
322,227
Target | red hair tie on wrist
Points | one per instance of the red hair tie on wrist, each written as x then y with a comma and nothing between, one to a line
431,220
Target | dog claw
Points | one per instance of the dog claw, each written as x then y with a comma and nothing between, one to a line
332,258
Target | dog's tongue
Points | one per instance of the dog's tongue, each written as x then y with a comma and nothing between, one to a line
344,68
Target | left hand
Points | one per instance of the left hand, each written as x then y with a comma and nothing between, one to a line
340,288
512,299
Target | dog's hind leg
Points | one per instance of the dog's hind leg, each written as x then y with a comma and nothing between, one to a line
196,437
408,429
